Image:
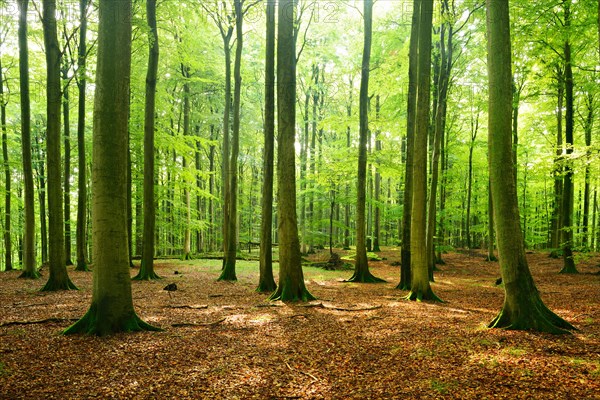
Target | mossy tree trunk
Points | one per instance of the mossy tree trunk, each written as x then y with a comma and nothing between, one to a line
361,266
266,281
405,254
291,278
81,234
420,288
523,307
147,264
111,310
58,278
28,248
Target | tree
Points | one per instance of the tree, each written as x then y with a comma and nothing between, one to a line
420,287
58,278
67,160
361,266
523,308
147,263
29,268
266,281
291,278
405,253
80,231
7,175
111,309
568,189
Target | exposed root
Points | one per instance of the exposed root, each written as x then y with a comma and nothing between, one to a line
94,324
200,307
419,296
30,275
365,277
40,321
326,306
53,285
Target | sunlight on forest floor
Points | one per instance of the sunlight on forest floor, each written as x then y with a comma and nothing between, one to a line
224,340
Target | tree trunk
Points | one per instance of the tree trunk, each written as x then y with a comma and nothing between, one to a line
377,185
474,130
187,231
588,127
29,268
361,266
81,234
40,170
568,192
405,269
420,287
111,310
228,273
7,178
266,282
291,278
556,228
523,308
147,263
67,162
58,278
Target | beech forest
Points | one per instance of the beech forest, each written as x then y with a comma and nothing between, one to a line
300,199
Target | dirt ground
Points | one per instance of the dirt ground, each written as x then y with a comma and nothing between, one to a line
358,341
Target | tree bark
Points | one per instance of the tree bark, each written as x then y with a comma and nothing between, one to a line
67,162
291,278
81,234
147,263
29,268
111,310
420,287
405,254
361,266
7,178
523,308
266,281
58,278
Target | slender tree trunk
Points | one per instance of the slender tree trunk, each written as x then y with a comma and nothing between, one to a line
556,228
474,131
67,162
111,309
523,308
491,256
420,287
266,281
7,178
361,267
187,231
149,203
58,278
588,127
28,263
40,169
347,190
568,192
228,273
291,278
405,269
377,185
81,234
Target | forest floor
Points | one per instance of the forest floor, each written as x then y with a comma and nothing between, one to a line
358,341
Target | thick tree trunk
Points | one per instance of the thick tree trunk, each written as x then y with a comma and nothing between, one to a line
523,307
361,266
7,178
81,234
420,287
28,263
405,269
291,278
266,282
147,263
111,309
58,278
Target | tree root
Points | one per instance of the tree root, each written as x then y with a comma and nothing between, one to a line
538,318
419,296
101,324
200,307
30,275
365,277
52,285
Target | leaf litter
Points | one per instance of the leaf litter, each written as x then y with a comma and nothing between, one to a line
358,341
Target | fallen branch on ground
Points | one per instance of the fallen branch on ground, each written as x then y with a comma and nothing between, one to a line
39,321
302,372
184,324
200,307
321,305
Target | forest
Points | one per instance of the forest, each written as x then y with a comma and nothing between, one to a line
299,199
